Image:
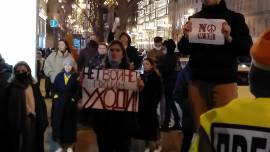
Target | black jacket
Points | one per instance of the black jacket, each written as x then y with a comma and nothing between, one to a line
5,73
149,99
168,63
64,110
218,63
113,124
17,115
87,54
97,62
132,52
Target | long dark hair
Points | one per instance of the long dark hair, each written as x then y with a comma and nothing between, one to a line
66,43
124,62
126,35
152,62
30,79
92,45
67,47
170,45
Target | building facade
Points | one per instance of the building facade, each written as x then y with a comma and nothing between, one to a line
42,22
256,12
152,21
179,11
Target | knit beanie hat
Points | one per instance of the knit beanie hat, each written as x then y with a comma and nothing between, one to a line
260,51
259,75
69,61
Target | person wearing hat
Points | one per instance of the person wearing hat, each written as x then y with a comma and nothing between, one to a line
213,68
66,94
244,123
54,62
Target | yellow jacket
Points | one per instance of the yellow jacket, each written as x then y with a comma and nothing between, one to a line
241,125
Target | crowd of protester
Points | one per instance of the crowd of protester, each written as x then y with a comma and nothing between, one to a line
207,82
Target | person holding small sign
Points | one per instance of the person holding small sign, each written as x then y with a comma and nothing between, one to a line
214,38
244,123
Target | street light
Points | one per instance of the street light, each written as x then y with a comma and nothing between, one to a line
185,17
111,3
191,11
79,10
73,6
82,5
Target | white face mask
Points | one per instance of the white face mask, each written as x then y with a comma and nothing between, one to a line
164,51
158,48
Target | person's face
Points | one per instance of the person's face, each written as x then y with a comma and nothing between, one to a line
211,2
147,65
93,37
102,49
124,40
62,46
39,55
67,68
116,53
158,45
21,69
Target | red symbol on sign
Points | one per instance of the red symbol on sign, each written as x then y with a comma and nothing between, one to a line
211,28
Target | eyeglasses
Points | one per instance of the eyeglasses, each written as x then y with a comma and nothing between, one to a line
117,50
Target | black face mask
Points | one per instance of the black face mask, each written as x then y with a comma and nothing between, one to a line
22,76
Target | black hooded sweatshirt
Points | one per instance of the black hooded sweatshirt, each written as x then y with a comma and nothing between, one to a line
87,54
218,63
168,62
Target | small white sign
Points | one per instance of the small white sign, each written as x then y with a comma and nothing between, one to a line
207,31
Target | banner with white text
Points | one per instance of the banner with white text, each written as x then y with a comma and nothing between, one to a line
110,89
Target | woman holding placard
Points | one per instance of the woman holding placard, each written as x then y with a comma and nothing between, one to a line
222,36
115,128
